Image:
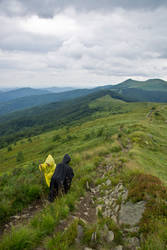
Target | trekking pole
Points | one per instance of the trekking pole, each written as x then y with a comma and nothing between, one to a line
42,182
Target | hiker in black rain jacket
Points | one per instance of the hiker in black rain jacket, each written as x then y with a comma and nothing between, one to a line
62,177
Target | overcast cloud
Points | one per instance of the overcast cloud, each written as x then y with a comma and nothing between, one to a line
81,43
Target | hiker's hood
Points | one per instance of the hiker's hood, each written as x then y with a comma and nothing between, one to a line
66,159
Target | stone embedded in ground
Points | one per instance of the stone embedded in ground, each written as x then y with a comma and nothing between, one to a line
82,220
110,236
125,195
87,248
79,232
24,216
120,187
16,217
108,182
131,213
114,218
93,190
118,247
132,229
93,238
87,186
105,227
107,201
133,242
116,208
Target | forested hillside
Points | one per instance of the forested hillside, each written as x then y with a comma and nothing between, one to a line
153,90
37,100
20,92
54,115
148,85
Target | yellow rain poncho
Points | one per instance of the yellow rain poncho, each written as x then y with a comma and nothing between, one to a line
48,168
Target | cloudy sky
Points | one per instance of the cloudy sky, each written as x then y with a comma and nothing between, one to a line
81,43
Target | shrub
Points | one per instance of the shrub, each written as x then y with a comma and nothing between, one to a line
9,148
20,156
100,132
56,137
87,137
34,191
29,139
4,210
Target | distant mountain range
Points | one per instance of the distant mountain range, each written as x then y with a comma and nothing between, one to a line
152,90
22,92
38,113
148,85
59,89
37,100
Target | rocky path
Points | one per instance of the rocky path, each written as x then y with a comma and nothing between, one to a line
24,216
107,200
110,202
113,204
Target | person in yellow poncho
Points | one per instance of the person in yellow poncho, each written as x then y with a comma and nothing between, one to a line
48,168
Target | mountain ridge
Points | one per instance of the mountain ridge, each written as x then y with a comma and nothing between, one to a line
151,90
19,93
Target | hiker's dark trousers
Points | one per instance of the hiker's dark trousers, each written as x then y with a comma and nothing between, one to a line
67,184
54,187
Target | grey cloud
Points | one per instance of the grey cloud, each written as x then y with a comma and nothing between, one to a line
47,8
23,42
97,47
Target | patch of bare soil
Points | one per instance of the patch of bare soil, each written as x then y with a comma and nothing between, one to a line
24,216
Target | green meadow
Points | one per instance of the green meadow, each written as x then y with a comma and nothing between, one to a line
124,131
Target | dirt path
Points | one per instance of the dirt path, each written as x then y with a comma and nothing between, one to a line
24,216
129,144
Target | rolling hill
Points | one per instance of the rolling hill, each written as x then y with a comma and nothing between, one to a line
36,100
59,89
54,115
148,85
20,92
153,90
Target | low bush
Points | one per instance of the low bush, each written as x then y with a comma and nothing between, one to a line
56,138
20,156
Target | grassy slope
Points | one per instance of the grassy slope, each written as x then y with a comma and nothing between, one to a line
151,85
145,134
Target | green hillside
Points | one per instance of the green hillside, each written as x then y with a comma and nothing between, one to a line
119,144
20,92
150,85
152,90
43,118
33,100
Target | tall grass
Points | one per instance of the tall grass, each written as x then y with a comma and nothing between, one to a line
43,223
